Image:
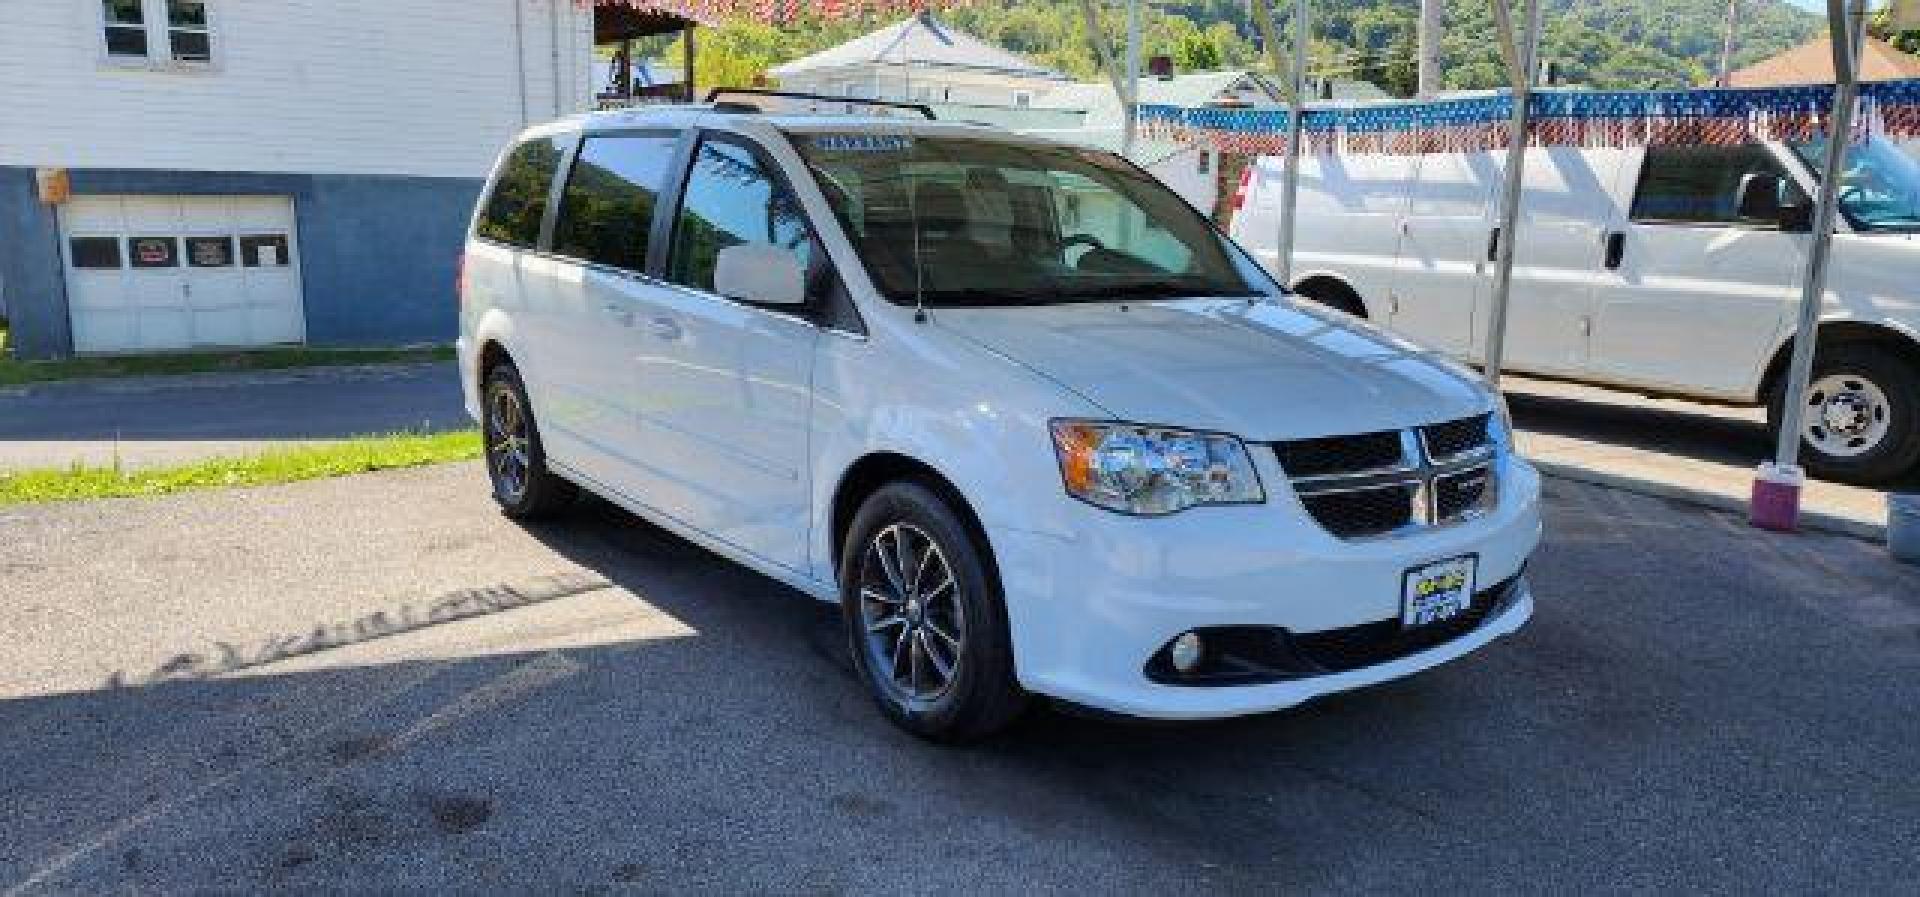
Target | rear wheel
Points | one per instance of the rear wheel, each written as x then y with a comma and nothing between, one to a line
516,462
1861,422
925,621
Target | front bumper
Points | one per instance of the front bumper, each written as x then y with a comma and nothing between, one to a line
1089,611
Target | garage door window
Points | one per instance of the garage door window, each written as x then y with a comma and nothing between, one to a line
96,253
210,252
155,252
264,250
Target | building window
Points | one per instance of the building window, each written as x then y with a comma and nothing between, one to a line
1023,99
188,36
126,25
1205,162
157,31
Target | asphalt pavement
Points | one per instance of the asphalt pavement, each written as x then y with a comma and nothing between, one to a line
378,684
143,421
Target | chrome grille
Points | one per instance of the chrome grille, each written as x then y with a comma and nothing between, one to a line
1434,475
1456,437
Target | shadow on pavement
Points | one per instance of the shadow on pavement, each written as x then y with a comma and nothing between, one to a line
1696,705
1707,434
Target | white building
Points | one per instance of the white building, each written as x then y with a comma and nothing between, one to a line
258,171
1192,171
921,59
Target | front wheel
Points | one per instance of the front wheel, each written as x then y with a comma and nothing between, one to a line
1861,421
925,621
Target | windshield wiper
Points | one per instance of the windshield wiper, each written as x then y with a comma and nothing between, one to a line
1106,293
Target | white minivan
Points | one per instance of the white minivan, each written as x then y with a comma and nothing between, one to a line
1032,422
1670,270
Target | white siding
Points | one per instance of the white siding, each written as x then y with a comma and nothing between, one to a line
417,87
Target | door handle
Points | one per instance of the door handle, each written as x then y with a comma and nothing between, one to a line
1493,245
1616,249
664,327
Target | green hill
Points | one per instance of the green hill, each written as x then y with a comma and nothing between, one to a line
1621,44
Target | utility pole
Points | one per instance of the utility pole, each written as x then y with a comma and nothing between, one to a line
1521,50
1727,42
1290,188
1132,99
1776,488
1432,27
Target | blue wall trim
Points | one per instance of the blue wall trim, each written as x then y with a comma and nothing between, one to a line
378,253
30,269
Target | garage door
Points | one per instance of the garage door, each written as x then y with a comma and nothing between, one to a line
177,272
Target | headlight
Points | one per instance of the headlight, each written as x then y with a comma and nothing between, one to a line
1152,470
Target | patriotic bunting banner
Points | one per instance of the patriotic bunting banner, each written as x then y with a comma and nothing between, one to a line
1709,117
775,12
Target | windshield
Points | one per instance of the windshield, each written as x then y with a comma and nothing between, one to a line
1881,187
964,221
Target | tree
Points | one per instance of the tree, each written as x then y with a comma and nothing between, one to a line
1196,52
1402,71
1881,26
736,54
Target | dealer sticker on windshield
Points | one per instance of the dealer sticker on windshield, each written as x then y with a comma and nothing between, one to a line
1437,591
863,143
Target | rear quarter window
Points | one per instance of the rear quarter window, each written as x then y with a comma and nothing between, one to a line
513,210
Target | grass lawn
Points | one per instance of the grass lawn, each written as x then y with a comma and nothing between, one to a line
14,373
332,459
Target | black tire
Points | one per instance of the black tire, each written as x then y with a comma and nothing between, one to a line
966,623
1858,369
1333,294
516,461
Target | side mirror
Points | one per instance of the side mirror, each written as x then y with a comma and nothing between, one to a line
1759,197
760,272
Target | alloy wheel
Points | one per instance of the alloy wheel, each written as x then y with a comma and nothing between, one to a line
911,614
508,454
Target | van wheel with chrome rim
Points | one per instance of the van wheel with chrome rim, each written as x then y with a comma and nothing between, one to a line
925,621
516,462
1861,423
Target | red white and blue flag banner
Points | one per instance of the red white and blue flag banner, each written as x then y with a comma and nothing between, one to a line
775,12
1705,117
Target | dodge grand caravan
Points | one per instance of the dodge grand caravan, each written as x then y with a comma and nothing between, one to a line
1017,408
1669,270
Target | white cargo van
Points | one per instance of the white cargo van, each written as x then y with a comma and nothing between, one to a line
1667,270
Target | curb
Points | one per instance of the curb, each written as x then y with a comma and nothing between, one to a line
1815,521
146,383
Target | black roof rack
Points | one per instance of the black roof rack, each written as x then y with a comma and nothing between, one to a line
754,100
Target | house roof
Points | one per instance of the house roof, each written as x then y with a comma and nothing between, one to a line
1812,63
920,40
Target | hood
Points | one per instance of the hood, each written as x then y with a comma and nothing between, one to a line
1261,371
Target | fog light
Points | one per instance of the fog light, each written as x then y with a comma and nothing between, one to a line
1185,652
